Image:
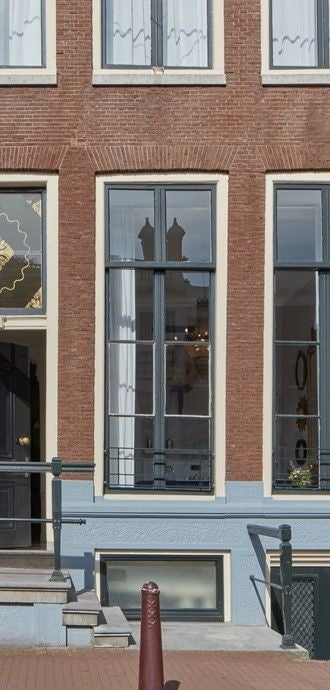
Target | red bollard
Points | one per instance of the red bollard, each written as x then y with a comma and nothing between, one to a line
151,674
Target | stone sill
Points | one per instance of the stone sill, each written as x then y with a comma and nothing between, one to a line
155,78
15,78
296,78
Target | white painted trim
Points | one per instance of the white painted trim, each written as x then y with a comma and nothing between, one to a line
221,182
166,76
152,552
49,322
282,77
271,180
12,76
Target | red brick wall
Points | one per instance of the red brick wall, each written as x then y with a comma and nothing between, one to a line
243,129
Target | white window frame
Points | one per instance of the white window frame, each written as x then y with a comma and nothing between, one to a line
294,77
271,181
47,322
11,76
161,76
221,183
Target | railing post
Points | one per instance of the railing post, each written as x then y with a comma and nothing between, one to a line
57,575
286,583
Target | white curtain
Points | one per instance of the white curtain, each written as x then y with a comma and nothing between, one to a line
294,33
20,33
185,33
128,32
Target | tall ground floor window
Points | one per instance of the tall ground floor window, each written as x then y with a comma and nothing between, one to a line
160,265
302,337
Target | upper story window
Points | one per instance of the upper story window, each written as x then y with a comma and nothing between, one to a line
22,263
302,336
158,41
27,42
298,45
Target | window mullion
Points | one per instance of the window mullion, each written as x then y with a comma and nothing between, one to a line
324,375
326,32
159,318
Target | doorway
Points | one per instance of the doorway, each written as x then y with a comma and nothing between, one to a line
22,434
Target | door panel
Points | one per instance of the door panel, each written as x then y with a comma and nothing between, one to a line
15,489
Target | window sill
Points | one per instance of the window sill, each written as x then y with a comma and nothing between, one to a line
296,78
161,78
15,77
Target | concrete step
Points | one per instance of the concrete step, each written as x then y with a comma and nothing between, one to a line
114,631
27,558
83,610
32,586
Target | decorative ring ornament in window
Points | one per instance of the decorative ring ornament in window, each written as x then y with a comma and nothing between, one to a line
301,370
301,451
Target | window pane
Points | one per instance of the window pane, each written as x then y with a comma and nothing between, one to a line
187,379
130,304
296,381
20,33
183,584
299,225
128,32
132,232
297,450
187,307
185,30
130,460
130,377
188,223
295,305
20,250
294,33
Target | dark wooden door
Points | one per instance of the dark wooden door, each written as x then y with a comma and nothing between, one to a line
15,489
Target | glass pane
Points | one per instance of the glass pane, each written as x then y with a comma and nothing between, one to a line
185,33
130,378
130,460
296,381
5,426
183,584
295,305
20,250
187,433
188,223
296,453
128,32
299,225
20,33
130,305
294,33
132,232
187,306
187,379
192,467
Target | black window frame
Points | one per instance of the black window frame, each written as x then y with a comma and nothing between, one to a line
322,268
157,41
202,615
161,267
43,47
43,310
322,32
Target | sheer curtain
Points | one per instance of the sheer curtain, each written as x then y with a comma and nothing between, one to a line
20,33
122,356
294,33
185,33
128,32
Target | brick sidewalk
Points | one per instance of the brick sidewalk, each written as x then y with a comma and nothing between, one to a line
80,669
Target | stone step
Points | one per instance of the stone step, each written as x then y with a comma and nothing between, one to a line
27,558
83,610
114,631
32,586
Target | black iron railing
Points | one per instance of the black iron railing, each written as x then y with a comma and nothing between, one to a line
56,467
283,533
302,468
150,469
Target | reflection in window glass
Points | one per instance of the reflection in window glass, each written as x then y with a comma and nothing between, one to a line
128,32
295,305
187,306
20,33
188,225
187,379
294,26
21,250
185,33
299,225
132,232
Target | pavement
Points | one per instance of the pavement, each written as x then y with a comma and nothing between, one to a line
108,669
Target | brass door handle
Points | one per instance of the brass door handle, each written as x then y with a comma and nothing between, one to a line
23,441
